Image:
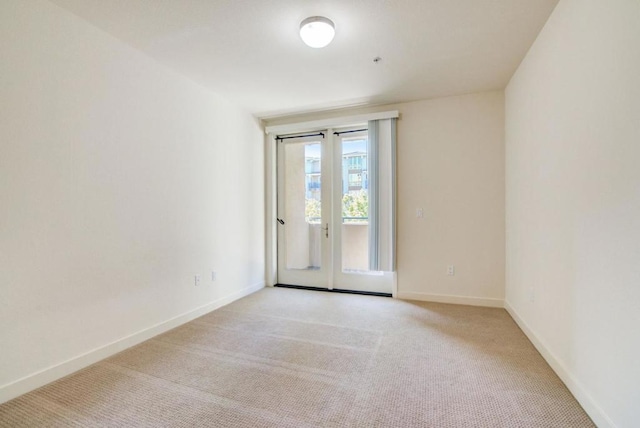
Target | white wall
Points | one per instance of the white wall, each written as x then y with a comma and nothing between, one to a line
119,181
573,202
451,164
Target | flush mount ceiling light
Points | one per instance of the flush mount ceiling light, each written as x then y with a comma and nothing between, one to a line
317,31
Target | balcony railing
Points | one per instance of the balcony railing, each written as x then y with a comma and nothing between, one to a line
314,220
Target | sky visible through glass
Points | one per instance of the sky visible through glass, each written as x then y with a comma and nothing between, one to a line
313,150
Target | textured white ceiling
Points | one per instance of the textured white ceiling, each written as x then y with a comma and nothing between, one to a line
250,52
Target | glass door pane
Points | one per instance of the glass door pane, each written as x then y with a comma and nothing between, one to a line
355,205
303,212
303,205
351,210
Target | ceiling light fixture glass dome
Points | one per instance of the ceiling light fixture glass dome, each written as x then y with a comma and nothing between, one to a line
317,31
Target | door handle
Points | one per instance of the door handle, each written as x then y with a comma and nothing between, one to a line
326,230
281,221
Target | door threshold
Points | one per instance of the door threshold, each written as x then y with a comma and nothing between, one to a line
334,290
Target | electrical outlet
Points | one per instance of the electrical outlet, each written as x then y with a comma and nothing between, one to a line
451,270
419,213
196,280
214,275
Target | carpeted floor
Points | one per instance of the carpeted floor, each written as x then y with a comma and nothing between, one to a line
295,358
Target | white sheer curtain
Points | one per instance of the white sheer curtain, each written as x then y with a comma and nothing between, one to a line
382,195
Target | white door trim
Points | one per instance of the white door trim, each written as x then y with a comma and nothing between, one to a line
338,122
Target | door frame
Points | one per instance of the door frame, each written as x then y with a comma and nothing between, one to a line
317,278
271,242
364,282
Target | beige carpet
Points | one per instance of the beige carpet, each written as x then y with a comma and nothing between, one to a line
294,358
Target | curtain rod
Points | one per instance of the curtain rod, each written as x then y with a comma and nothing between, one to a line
349,132
281,138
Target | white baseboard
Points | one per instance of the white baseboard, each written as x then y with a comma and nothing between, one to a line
48,375
594,411
457,300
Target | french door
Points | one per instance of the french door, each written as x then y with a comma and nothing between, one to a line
323,212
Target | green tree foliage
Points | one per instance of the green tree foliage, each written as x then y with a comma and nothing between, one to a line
356,204
312,210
